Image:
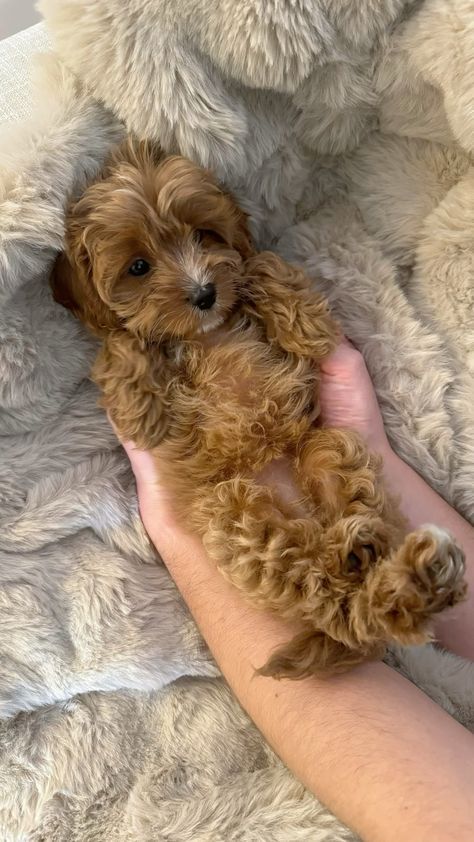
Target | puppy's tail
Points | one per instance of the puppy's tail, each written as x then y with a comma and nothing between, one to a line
315,653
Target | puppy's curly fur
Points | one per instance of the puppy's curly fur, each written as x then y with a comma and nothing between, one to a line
208,357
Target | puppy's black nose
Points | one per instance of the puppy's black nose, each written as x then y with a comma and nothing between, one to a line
205,297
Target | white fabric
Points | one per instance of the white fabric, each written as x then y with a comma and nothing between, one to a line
16,59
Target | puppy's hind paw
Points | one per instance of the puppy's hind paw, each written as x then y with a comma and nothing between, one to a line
439,565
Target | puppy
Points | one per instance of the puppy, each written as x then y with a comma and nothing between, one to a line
209,358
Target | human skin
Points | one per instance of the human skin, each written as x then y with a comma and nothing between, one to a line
382,756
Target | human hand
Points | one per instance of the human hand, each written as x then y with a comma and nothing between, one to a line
154,501
348,400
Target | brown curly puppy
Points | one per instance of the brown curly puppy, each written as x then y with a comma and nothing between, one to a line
208,356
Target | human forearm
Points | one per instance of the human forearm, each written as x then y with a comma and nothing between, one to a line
345,737
421,505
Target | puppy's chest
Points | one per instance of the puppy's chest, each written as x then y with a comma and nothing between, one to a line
241,386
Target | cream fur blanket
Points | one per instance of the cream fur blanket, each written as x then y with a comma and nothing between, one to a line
346,129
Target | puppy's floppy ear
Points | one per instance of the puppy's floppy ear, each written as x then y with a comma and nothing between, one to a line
134,385
73,287
62,283
295,316
242,239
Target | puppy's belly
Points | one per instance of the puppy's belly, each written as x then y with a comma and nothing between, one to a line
279,476
255,402
237,409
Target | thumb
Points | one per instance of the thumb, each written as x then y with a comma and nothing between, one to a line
143,464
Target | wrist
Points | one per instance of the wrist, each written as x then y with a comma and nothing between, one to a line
393,464
180,551
395,472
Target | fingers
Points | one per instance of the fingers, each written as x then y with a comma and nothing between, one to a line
345,357
114,428
143,464
347,342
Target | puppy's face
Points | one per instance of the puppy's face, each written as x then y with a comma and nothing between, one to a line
155,247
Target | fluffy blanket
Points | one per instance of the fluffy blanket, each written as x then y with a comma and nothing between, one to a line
346,131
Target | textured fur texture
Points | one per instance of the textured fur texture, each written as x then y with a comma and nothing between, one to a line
183,763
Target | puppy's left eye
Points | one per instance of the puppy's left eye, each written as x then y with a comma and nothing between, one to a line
138,268
206,234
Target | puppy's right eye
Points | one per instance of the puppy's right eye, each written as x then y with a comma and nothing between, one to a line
206,234
139,268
